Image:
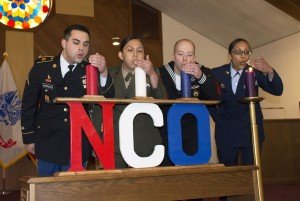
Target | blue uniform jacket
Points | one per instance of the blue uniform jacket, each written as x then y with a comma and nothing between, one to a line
232,116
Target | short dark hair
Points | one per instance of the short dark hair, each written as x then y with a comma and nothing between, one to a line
126,40
233,43
78,27
181,40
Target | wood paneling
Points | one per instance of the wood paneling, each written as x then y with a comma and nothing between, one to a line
154,50
102,28
290,7
21,168
75,7
146,21
281,152
19,47
2,44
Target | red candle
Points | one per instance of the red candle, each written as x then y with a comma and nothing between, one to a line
91,80
250,83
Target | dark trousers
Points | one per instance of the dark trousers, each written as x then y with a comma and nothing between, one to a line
230,156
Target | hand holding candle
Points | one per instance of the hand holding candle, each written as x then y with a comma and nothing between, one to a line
185,85
91,80
144,68
140,82
250,83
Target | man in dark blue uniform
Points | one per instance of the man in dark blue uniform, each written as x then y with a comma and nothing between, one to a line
203,86
45,125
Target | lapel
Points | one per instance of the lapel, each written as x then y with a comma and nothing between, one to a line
119,84
168,80
171,65
240,90
227,80
130,91
56,70
77,73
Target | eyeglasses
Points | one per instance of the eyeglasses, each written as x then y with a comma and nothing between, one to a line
240,52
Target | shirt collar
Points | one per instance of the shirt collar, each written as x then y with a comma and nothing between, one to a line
64,64
124,73
233,71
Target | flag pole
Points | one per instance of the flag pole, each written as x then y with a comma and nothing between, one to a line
4,192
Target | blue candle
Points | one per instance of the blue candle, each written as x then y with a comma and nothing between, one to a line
186,91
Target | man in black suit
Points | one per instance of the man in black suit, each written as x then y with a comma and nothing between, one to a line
45,125
203,86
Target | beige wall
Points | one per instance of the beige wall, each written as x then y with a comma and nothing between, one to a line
284,56
208,52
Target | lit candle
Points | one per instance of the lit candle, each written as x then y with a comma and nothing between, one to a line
250,83
91,80
140,82
186,91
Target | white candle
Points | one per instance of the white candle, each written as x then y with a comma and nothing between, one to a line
140,82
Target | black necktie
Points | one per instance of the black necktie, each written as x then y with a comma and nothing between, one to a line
128,77
237,73
69,73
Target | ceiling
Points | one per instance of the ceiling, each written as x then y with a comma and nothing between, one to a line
224,20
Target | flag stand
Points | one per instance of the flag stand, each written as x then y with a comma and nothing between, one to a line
4,192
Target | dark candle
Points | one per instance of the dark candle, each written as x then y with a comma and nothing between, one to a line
185,85
250,83
91,80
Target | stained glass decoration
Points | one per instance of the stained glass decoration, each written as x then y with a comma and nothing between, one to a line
24,14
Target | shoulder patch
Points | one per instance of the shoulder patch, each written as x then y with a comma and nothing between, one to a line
43,59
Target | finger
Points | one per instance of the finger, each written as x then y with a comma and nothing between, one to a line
261,56
147,57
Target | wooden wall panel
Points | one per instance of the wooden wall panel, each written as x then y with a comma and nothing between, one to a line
154,50
21,168
75,7
19,46
2,44
281,152
102,27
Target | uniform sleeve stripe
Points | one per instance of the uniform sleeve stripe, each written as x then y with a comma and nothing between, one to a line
202,79
26,133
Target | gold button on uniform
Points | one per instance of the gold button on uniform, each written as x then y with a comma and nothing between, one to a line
65,109
65,88
66,120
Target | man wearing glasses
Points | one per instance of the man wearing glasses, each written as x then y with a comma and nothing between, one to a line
233,133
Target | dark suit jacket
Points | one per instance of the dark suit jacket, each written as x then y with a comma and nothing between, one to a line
146,136
206,91
232,116
45,123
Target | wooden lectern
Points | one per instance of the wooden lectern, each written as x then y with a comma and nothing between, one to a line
158,183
